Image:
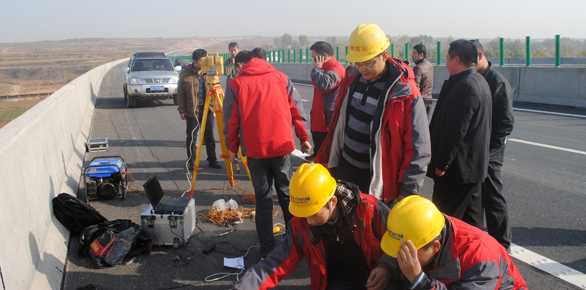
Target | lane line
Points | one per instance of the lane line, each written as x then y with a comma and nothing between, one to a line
549,266
548,146
305,85
550,113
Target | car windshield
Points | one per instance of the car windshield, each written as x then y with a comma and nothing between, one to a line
151,64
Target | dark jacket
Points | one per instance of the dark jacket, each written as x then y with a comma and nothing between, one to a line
187,92
424,77
369,219
400,148
502,107
469,259
260,108
460,129
230,70
326,81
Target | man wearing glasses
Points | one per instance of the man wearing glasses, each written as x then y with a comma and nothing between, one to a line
379,138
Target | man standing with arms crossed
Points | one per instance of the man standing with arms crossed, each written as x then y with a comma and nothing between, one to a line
326,75
260,108
230,68
493,199
460,134
379,136
424,77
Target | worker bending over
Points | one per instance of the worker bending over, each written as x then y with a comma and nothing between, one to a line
436,251
336,228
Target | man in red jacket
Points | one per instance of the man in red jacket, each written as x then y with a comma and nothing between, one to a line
336,228
260,108
436,251
326,76
379,135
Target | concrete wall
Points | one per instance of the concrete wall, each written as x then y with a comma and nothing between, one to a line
564,86
41,155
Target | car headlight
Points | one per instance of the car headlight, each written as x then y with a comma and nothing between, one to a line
173,80
135,81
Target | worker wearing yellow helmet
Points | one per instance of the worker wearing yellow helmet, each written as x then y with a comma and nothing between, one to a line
378,136
336,228
436,251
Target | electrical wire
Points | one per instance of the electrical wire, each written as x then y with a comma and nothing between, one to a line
227,274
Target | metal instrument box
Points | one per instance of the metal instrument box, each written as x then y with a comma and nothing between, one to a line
168,229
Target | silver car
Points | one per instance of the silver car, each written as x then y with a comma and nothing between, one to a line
152,77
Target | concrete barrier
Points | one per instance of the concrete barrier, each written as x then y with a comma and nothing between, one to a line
41,155
565,86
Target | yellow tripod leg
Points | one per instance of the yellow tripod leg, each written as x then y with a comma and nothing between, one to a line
245,164
202,129
218,105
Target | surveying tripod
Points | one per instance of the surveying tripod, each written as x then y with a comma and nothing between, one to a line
212,64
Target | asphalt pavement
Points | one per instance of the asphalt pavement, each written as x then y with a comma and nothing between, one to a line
543,185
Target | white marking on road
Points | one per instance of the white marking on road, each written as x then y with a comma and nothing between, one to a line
548,146
299,154
549,266
305,100
305,85
550,113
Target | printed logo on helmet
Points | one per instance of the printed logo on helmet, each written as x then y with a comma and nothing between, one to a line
300,199
395,236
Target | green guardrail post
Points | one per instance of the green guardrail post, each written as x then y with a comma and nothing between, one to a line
406,54
392,50
294,56
307,55
527,51
300,55
421,43
501,52
558,51
337,53
288,56
438,57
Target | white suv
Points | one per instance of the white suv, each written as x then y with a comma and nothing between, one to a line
150,77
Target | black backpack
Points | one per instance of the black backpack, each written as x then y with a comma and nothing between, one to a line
109,242
75,214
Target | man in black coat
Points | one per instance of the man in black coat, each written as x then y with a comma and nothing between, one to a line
493,199
460,135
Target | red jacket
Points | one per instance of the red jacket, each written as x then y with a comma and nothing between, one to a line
370,219
326,81
470,259
261,105
401,150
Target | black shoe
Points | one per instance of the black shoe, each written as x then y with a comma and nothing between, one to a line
190,165
215,164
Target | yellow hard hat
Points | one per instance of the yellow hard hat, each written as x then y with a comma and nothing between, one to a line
366,42
311,187
414,218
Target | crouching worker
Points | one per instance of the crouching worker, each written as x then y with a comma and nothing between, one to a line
335,228
436,251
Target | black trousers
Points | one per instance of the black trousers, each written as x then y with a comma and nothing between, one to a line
429,107
462,201
318,139
493,200
191,132
208,135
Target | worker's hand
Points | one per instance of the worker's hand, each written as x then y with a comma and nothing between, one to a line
318,61
233,157
379,279
439,172
408,260
305,147
182,116
400,197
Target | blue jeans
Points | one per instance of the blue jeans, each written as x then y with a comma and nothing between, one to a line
263,171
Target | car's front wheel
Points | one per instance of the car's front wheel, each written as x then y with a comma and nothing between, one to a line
125,92
175,101
131,101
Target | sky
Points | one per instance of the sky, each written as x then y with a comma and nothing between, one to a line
39,20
